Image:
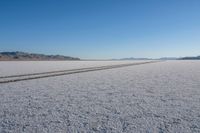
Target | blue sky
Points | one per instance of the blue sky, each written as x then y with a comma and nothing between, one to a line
101,29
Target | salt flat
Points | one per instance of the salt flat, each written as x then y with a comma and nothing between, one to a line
158,97
23,67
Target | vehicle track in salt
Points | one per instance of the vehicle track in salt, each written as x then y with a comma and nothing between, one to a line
31,76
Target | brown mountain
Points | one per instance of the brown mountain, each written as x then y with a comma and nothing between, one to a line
23,56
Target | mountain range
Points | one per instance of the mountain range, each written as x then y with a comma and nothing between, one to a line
163,58
23,56
191,58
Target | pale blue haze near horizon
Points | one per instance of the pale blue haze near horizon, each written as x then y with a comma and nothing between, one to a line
101,29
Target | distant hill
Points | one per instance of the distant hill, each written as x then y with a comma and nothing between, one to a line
190,58
163,58
132,58
23,56
169,58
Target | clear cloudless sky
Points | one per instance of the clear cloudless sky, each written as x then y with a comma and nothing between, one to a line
101,29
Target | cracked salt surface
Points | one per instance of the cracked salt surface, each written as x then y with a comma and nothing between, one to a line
159,97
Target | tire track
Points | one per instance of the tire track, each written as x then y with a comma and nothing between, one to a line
31,76
58,71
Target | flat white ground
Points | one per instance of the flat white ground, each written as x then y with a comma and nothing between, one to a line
158,97
24,67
